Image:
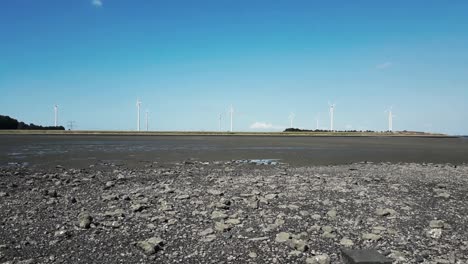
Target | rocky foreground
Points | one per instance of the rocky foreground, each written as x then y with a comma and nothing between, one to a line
228,212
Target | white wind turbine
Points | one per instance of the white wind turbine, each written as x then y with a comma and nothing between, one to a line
56,115
231,112
390,119
138,104
332,112
146,117
220,119
291,118
317,122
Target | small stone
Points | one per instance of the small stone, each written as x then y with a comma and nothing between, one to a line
109,185
3,194
282,237
436,224
320,259
183,197
370,236
115,213
218,215
215,192
315,217
137,207
62,233
252,254
222,227
84,220
328,235
271,196
206,232
346,242
233,221
150,246
208,238
435,233
385,212
331,214
299,245
364,256
443,195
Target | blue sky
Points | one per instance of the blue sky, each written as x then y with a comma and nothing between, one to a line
188,61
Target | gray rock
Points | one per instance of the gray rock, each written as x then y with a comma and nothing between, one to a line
435,233
151,246
346,242
436,224
320,259
282,237
222,227
183,197
385,212
364,256
252,254
331,214
218,215
84,220
215,192
206,232
370,236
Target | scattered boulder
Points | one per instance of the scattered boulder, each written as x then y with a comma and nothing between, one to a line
320,259
151,245
84,220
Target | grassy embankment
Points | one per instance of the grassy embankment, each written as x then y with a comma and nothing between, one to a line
208,133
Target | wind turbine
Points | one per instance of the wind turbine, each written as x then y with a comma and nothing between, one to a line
220,118
390,119
317,122
231,112
146,117
56,115
332,111
138,104
291,118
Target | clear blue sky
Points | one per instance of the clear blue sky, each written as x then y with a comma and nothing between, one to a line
189,60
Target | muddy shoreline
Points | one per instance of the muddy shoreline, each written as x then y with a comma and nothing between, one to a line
133,151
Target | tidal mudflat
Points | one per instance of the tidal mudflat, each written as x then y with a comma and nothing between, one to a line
86,199
81,151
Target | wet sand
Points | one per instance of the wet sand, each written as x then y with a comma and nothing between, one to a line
81,151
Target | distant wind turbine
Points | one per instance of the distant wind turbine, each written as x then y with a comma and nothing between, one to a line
332,111
220,118
138,104
291,118
146,117
390,119
231,112
56,115
317,122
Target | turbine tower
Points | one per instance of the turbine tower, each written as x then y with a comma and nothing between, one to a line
317,122
138,104
332,110
56,115
390,120
220,119
146,117
231,112
291,118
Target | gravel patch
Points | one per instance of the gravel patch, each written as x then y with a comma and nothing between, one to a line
233,212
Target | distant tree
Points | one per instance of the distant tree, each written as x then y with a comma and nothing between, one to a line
7,122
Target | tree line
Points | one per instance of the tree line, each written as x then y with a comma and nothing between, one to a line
7,122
